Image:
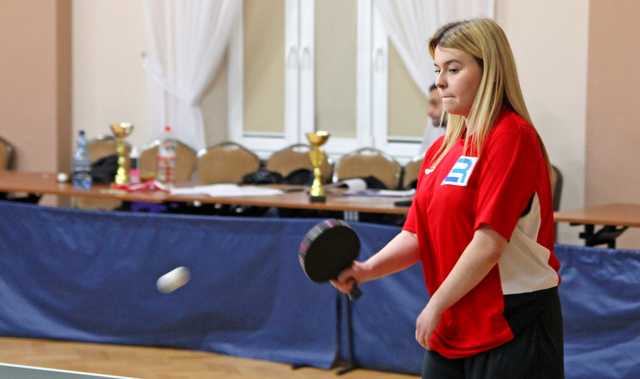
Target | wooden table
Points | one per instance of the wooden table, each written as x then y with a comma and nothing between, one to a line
295,198
614,219
46,184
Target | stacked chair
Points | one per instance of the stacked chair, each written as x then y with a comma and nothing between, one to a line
294,166
556,187
292,160
7,162
227,162
378,169
411,172
7,155
186,160
370,164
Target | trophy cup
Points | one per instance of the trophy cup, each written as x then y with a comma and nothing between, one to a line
121,130
317,139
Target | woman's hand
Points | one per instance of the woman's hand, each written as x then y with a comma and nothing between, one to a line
426,323
358,273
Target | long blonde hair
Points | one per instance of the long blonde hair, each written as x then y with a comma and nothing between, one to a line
485,40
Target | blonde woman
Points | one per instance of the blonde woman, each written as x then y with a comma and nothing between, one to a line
481,223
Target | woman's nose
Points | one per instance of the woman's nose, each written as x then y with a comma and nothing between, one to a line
441,81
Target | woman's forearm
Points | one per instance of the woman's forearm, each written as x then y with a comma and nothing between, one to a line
479,257
401,252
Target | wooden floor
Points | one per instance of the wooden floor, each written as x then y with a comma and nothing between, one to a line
145,362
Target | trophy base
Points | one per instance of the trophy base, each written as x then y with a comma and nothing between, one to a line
318,199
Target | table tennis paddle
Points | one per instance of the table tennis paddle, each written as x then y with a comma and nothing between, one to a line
328,248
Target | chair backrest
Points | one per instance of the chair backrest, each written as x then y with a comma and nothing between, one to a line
186,159
295,157
369,162
227,162
556,187
411,171
103,146
7,155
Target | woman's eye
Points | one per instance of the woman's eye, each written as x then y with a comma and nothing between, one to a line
437,70
454,70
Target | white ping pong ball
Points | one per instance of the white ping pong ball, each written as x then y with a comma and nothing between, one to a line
173,280
62,177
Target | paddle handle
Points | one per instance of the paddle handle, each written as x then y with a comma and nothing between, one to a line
355,292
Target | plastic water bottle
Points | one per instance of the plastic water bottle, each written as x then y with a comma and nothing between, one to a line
166,159
134,168
81,177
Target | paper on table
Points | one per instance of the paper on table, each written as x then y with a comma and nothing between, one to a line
381,193
394,193
347,186
358,187
355,184
226,190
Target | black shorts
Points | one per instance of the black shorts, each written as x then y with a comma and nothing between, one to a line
536,352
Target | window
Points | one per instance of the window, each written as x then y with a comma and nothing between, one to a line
300,65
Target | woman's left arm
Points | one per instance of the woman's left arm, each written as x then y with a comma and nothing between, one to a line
478,258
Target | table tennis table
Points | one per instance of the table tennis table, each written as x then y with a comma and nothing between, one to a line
31,372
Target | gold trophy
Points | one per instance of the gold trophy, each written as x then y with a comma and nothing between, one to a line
122,130
317,156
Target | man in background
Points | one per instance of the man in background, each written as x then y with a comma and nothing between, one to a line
437,121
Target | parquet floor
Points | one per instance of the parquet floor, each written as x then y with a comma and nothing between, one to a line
161,363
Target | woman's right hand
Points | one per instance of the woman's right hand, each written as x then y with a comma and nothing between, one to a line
358,273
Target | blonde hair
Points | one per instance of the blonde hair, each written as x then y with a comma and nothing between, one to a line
485,40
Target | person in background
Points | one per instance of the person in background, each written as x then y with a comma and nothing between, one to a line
437,119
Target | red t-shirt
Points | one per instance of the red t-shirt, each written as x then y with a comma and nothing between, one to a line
507,189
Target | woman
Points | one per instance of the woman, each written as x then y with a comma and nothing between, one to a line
481,223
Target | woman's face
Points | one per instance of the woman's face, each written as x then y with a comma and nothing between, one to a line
458,76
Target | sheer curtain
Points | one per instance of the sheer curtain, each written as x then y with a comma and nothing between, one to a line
410,24
186,41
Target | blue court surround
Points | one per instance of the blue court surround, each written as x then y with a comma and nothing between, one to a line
90,276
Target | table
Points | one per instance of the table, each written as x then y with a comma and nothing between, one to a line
614,218
293,198
31,372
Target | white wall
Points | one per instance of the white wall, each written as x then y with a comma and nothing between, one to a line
549,40
108,80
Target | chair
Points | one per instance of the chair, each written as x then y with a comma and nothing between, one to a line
411,172
367,162
186,160
7,155
295,157
226,162
103,146
7,162
556,187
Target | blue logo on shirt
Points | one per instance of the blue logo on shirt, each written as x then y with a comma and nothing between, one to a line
461,171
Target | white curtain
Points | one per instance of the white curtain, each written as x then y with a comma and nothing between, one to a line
410,24
186,41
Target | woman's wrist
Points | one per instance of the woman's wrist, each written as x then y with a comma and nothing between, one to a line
435,304
367,271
